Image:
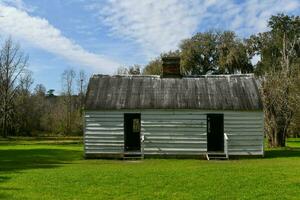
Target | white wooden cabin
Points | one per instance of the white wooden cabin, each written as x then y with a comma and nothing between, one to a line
173,115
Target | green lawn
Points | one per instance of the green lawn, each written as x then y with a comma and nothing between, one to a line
38,169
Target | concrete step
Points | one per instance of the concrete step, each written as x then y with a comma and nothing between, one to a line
132,153
215,153
132,156
216,156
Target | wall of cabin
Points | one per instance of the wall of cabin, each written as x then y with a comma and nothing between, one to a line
172,132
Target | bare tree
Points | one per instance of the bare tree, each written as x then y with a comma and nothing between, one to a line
82,87
12,63
25,82
68,77
24,121
130,70
38,99
40,90
122,70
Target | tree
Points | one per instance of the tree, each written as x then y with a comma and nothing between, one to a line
50,93
131,70
82,88
264,46
294,130
39,106
134,69
40,90
279,51
12,64
199,53
233,56
122,70
154,67
209,53
68,77
24,121
216,53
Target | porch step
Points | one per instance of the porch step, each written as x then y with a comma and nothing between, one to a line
133,156
216,156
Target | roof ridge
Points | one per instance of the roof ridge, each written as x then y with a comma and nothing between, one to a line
186,76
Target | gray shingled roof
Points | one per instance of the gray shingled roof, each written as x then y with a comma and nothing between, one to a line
211,92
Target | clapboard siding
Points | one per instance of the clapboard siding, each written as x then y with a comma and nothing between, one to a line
245,133
103,133
173,132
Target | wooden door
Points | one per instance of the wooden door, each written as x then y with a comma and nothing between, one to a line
132,131
215,132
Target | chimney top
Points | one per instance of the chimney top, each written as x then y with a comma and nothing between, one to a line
171,67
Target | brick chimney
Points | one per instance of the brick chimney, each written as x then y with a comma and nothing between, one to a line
171,67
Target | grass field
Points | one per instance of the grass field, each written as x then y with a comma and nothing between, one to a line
39,169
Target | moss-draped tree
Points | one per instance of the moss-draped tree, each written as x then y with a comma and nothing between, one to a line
279,68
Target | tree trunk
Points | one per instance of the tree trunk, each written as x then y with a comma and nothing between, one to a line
4,127
280,138
276,133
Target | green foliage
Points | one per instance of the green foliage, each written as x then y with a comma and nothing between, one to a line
36,169
233,55
294,129
284,26
50,93
263,45
208,52
154,67
279,65
215,52
272,46
199,53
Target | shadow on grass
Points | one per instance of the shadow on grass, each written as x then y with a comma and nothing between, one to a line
16,160
2,196
285,152
3,190
296,140
22,159
46,141
4,178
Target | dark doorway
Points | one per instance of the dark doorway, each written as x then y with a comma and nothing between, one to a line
132,131
215,132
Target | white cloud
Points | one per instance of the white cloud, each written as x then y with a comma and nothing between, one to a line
255,13
18,4
40,33
159,26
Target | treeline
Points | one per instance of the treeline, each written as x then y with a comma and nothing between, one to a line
27,112
277,53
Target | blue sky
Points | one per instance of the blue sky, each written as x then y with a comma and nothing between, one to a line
98,36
